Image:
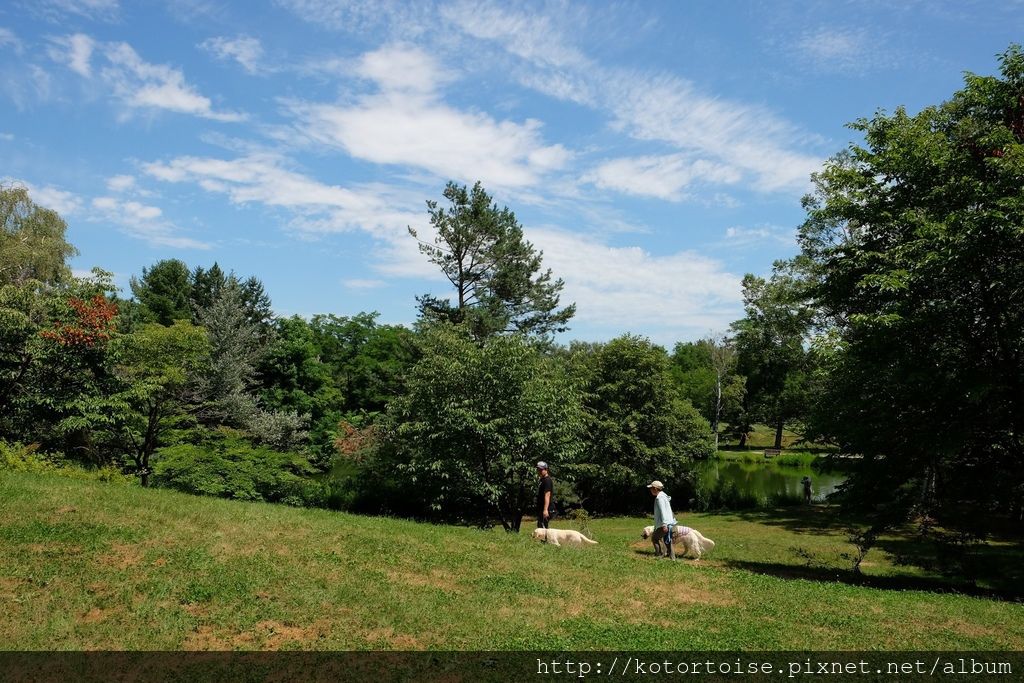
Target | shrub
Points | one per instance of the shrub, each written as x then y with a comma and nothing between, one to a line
227,466
17,457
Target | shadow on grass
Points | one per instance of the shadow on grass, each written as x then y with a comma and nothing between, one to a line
992,570
896,583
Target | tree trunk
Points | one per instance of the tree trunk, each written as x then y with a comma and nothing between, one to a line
743,439
718,408
778,435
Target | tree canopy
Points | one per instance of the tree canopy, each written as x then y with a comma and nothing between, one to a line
496,273
913,248
32,243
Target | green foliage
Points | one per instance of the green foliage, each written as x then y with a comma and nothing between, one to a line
235,349
165,291
156,366
770,342
16,457
209,285
333,368
913,252
227,466
495,271
638,427
581,519
706,374
53,361
475,420
32,243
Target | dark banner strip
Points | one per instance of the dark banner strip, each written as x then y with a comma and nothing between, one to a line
452,667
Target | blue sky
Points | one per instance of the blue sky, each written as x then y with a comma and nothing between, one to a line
655,151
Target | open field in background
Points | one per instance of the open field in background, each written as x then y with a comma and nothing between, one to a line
762,436
88,565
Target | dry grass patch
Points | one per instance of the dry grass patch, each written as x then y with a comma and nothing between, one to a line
121,556
434,578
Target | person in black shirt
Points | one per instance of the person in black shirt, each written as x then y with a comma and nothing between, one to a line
545,496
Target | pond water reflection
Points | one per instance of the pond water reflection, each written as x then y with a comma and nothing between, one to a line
767,480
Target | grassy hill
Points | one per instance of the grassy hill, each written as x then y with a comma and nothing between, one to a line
88,565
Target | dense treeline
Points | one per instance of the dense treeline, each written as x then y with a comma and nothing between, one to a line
194,384
896,334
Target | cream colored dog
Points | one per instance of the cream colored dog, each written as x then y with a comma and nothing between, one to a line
562,537
690,540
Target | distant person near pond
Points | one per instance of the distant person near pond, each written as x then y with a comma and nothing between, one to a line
664,520
545,496
806,483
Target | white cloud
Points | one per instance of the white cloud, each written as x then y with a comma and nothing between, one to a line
402,68
407,124
7,137
120,183
144,222
63,202
664,177
628,288
743,236
136,83
80,47
245,50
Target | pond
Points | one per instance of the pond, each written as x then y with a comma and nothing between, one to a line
767,480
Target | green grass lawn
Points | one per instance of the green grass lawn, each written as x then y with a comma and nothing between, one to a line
87,565
762,436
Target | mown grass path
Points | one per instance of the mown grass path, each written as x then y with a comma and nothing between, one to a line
86,565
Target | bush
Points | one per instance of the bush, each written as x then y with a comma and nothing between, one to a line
227,466
17,457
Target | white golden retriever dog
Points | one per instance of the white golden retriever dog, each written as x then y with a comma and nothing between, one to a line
562,537
690,540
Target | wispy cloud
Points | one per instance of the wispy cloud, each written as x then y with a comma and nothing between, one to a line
842,50
316,208
245,50
135,83
406,123
57,10
647,105
75,51
740,236
26,85
8,39
402,19
144,222
665,177
531,36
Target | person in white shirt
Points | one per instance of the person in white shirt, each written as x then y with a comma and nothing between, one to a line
663,518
